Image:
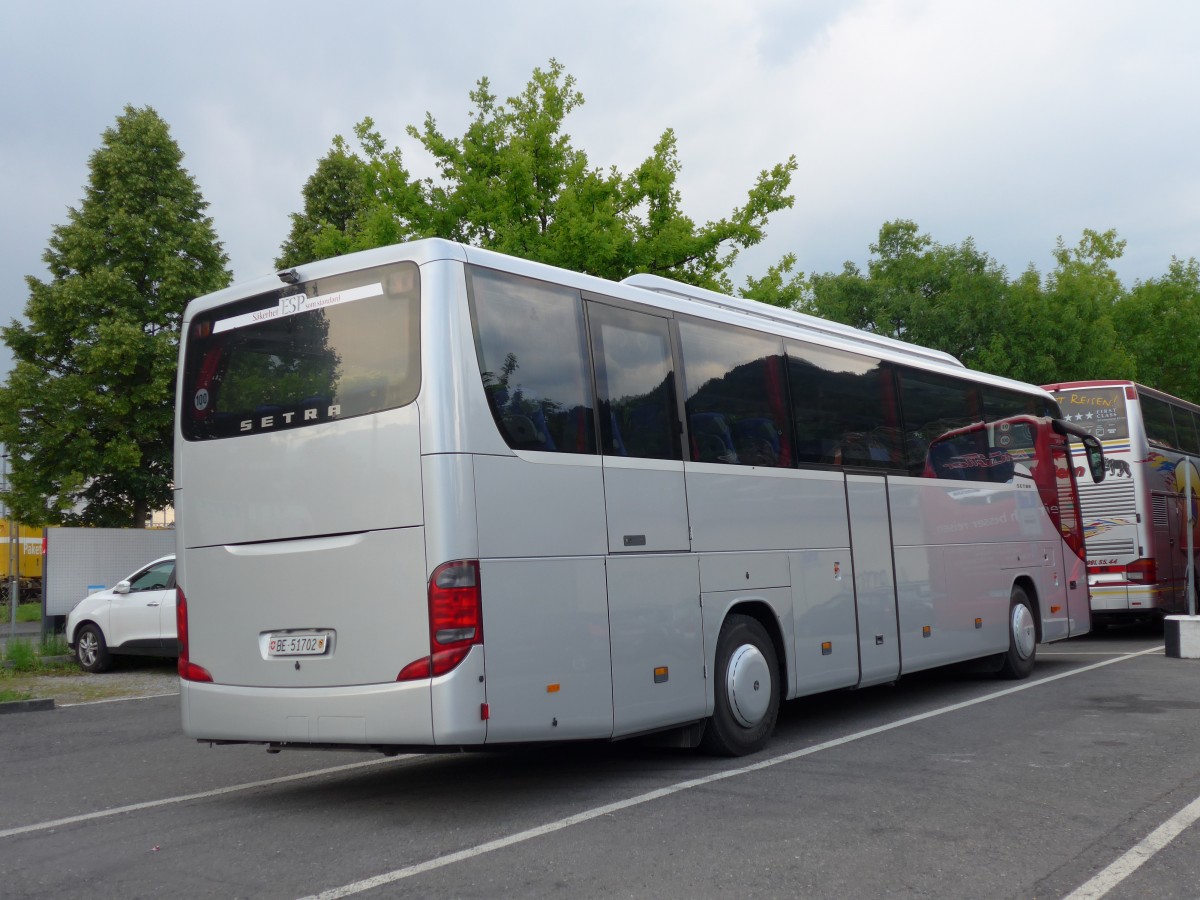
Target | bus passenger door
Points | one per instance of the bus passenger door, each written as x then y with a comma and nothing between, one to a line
874,578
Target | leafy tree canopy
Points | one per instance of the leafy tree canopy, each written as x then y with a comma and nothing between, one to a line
1078,322
515,183
1159,324
86,412
1062,329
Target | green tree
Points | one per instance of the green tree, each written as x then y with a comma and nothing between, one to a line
944,296
515,183
336,199
1062,329
1159,323
86,412
1033,335
782,286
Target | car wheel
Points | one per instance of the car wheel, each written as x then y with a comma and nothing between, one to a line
90,649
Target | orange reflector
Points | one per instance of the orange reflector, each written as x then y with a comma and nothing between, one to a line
552,688
926,631
979,623
661,673
1055,609
826,648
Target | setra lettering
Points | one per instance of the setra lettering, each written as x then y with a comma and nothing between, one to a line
267,423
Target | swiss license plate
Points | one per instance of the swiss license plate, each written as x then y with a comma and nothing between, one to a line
310,644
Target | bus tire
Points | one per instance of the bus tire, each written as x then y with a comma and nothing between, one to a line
90,649
1022,637
746,689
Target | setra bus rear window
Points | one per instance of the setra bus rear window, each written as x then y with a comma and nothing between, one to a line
333,348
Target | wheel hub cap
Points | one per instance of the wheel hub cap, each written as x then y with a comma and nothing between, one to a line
748,683
1023,630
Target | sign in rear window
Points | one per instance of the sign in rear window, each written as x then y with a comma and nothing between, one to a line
1100,411
329,349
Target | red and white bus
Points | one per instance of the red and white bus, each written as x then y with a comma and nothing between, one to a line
432,496
1137,519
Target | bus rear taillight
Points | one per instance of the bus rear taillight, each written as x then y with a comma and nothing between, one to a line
188,670
455,619
1142,571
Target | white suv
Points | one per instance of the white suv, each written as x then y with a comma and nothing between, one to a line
136,616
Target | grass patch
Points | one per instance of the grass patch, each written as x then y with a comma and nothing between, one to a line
26,612
7,695
54,645
25,657
21,655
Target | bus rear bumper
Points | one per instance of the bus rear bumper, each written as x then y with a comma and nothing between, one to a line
356,715
1120,600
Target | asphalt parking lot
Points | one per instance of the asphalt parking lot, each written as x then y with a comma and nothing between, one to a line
945,785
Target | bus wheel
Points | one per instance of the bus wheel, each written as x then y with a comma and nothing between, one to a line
1022,637
747,689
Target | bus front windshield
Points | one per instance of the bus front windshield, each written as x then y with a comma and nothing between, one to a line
328,349
1100,411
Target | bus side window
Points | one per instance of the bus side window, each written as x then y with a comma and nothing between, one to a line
736,397
635,383
844,407
533,362
1185,427
934,405
1160,424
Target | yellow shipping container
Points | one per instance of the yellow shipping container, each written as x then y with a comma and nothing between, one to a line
29,550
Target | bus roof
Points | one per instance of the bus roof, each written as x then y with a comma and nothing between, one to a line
661,285
669,294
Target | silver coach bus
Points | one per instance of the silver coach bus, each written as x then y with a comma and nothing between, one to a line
430,496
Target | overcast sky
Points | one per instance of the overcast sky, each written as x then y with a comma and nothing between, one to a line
1010,122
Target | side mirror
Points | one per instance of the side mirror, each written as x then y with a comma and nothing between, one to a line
1091,447
1095,457
121,587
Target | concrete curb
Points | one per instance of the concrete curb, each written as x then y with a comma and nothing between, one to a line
20,706
1182,637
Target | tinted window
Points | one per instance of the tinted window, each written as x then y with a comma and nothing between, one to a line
933,405
1160,426
329,349
533,361
736,398
154,578
999,403
1185,427
635,383
844,408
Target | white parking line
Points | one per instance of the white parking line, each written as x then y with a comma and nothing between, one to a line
367,884
1049,653
1129,862
202,795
